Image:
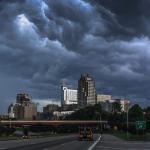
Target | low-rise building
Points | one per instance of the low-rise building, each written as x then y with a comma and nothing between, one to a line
70,107
25,111
125,105
103,98
107,106
50,108
48,111
4,117
107,103
11,113
58,114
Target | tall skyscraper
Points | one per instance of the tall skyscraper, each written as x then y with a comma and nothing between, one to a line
86,91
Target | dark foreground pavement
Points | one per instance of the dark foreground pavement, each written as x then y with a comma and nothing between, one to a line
55,143
109,142
104,142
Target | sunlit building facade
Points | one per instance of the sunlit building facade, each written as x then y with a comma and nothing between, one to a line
103,98
68,96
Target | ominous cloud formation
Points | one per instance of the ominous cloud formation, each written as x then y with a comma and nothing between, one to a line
45,41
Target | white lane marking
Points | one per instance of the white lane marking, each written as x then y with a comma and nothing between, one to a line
118,148
124,142
94,144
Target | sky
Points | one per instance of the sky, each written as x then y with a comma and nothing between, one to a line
44,42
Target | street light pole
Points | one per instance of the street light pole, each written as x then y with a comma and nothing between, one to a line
9,123
100,119
101,122
127,121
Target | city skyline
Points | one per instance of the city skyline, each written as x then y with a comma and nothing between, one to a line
43,103
71,100
45,41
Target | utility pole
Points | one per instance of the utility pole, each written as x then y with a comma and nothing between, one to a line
127,121
100,119
100,122
9,123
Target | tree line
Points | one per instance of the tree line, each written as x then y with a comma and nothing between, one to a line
116,118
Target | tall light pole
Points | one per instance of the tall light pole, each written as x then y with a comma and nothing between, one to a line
100,119
127,120
9,122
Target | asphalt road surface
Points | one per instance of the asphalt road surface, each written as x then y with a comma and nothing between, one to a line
104,142
109,142
53,143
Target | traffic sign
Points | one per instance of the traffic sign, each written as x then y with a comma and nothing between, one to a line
140,125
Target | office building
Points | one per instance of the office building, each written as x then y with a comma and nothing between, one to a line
4,117
125,105
22,98
11,113
24,108
107,106
68,96
50,108
25,111
86,91
103,98
58,114
69,107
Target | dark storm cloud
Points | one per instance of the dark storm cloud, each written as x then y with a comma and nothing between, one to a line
45,41
133,15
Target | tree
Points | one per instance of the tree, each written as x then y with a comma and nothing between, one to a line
116,106
147,116
98,108
87,113
136,113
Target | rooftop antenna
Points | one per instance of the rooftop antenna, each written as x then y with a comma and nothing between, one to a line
63,82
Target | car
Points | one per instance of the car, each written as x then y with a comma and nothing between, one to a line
26,133
26,137
85,133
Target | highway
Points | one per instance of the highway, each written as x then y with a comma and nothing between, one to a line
53,143
104,142
109,142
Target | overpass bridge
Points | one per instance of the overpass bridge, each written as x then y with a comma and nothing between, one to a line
52,122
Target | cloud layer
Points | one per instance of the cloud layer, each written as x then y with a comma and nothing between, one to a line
45,41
